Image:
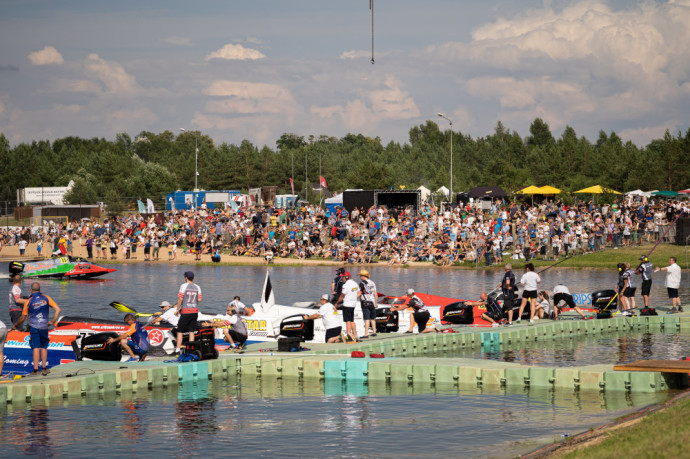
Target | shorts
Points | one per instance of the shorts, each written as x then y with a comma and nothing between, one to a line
672,292
558,297
494,317
629,292
14,317
3,338
369,313
187,323
529,294
421,318
238,338
332,332
348,314
135,348
38,338
646,287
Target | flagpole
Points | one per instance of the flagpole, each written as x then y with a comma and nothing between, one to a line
320,185
306,181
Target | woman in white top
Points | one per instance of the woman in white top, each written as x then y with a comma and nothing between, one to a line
529,281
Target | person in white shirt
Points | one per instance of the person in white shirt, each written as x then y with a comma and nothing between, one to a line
167,315
331,321
529,281
672,283
348,299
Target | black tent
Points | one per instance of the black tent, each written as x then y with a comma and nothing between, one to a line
486,192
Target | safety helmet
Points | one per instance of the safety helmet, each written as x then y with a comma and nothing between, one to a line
410,291
340,271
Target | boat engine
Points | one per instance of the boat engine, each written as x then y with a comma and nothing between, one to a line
95,347
457,313
295,325
386,320
601,298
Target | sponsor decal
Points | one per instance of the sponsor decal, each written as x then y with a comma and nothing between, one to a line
22,362
256,324
156,337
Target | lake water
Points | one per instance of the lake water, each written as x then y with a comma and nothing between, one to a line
307,419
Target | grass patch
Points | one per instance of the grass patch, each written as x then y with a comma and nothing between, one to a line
665,433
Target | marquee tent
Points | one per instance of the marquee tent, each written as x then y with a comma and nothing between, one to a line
597,189
547,189
530,190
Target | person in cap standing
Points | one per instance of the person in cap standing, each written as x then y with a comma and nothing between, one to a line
187,307
337,285
329,315
509,289
645,269
367,297
421,315
348,299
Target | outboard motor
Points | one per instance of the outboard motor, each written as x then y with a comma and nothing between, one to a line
95,347
386,320
457,313
601,299
295,325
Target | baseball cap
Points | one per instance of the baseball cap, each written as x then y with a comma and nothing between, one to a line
189,275
410,291
347,274
164,303
324,297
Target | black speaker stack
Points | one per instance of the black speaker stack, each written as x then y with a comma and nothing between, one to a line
683,231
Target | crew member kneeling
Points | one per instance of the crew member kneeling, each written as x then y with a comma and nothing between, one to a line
494,312
421,315
133,341
329,315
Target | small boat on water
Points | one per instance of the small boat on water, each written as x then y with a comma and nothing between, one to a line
59,268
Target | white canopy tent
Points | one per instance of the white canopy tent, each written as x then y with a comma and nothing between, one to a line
425,192
443,190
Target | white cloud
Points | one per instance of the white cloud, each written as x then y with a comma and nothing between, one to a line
112,76
48,55
235,52
355,54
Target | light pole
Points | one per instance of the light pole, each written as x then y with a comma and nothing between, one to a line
450,195
196,163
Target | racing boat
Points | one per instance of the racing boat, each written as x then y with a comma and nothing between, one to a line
60,268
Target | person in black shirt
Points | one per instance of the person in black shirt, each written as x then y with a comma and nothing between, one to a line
493,313
508,287
337,285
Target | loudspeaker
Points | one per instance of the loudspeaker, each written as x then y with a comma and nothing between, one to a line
682,230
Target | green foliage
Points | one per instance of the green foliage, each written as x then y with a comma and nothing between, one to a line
151,165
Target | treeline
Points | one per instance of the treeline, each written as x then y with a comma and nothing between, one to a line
151,165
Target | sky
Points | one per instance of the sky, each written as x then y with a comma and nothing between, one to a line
256,69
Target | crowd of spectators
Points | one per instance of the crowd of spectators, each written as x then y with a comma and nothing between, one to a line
462,233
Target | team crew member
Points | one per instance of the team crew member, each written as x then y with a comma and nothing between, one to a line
133,341
169,315
337,285
493,313
507,286
562,293
240,307
421,314
544,308
645,269
234,329
348,298
367,296
329,315
16,301
673,283
529,281
630,287
37,308
3,338
188,299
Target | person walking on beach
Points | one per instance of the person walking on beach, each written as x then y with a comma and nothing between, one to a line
529,281
188,299
37,309
16,301
673,273
645,269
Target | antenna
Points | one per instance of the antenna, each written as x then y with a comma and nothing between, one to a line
371,7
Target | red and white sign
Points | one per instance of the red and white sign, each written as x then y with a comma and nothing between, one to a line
156,337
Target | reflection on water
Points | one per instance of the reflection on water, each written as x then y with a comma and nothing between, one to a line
293,418
608,348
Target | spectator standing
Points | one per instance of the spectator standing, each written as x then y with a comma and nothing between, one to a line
673,274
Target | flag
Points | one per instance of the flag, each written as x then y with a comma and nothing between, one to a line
322,181
267,298
142,207
292,185
149,206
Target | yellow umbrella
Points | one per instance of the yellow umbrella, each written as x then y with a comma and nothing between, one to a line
530,190
597,189
549,190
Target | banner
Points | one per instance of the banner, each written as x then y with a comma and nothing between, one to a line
149,206
322,181
292,185
142,207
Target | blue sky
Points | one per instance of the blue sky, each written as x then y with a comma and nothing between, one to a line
256,69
